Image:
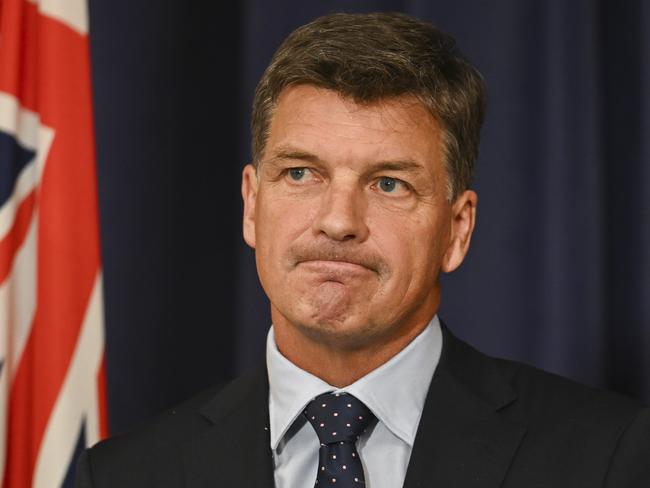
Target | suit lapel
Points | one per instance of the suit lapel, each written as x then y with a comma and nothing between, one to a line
463,440
235,449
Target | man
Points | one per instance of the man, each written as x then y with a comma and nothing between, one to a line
365,133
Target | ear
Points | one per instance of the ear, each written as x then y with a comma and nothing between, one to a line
463,218
249,194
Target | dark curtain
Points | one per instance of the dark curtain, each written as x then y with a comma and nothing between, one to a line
559,271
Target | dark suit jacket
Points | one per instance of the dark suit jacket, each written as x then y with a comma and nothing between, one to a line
486,423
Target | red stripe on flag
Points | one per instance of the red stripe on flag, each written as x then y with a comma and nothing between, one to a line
14,239
68,244
103,401
18,51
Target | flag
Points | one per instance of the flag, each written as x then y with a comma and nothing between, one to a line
52,387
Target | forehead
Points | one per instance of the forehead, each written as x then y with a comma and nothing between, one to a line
334,127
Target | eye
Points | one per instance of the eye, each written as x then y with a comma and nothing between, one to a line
297,174
390,185
387,184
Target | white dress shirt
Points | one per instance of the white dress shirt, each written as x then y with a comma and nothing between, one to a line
395,392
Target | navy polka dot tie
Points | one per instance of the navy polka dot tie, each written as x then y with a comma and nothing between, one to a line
338,419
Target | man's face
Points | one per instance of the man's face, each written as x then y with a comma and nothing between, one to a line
349,217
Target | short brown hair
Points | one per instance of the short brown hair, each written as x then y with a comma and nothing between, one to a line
371,57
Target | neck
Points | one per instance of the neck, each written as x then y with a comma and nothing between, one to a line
337,362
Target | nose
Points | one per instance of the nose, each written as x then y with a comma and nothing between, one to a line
342,213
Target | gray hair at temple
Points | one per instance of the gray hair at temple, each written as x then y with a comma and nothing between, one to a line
378,56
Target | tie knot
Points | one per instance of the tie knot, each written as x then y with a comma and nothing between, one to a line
338,417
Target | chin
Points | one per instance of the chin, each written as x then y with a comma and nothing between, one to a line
342,332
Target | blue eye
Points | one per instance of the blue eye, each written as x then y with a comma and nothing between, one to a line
297,174
387,184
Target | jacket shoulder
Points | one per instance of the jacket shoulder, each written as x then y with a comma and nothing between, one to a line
543,394
146,456
150,455
575,435
593,436
538,393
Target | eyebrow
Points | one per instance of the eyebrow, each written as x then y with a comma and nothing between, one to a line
290,153
407,165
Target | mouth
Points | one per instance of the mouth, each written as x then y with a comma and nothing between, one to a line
334,270
336,259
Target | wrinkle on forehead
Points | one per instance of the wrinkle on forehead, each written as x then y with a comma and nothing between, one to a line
396,114
320,121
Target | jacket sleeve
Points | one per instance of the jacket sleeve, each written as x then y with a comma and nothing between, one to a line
84,475
630,462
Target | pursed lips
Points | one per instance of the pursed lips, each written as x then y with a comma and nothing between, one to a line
336,266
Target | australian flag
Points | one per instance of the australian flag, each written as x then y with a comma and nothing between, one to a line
52,388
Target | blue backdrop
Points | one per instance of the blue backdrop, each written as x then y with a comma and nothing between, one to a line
559,270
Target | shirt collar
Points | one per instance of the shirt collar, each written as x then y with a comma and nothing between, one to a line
395,392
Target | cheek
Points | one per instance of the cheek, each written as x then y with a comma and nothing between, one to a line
394,238
410,245
279,223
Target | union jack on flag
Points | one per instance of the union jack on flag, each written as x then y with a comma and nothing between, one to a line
52,388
